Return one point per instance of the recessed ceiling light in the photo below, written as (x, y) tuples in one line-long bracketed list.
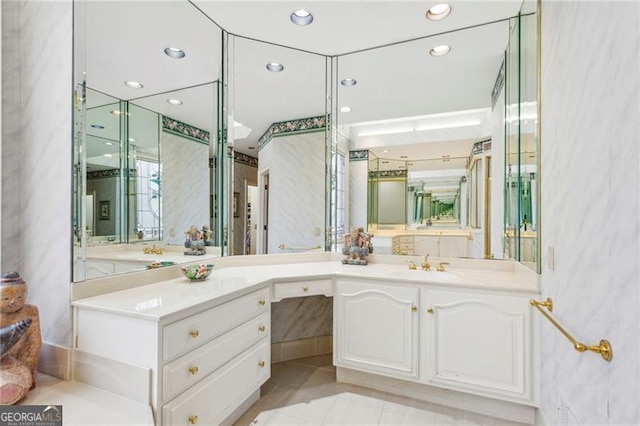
[(438, 12), (345, 109), (385, 151), (132, 139), (134, 84), (174, 52), (115, 112), (108, 143), (97, 126), (107, 155), (301, 17), (348, 82), (174, 101), (441, 50), (275, 67)]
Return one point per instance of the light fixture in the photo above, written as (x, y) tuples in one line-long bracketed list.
[(275, 67), (132, 139), (174, 52), (345, 109), (108, 143), (133, 84), (384, 151), (441, 50), (174, 101), (107, 155), (348, 82), (438, 12), (301, 17), (115, 112), (97, 126)]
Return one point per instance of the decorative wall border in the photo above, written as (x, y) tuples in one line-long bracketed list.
[(179, 128), (497, 86), (388, 174), (245, 159), (301, 125), (360, 155)]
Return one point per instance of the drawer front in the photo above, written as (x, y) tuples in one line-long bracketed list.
[(405, 240), (189, 333), (302, 288), (191, 368), (212, 400)]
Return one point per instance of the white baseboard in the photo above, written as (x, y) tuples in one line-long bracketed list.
[(129, 381), (55, 361), (478, 404)]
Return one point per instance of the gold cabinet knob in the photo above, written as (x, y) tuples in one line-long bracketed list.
[(261, 364), (262, 302), (430, 310), (262, 328), (194, 333), (305, 288), (193, 419), (193, 370), (414, 309)]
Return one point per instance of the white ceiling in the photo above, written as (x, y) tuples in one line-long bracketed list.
[(383, 45)]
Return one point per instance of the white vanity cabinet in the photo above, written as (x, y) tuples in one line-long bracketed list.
[(478, 342), (376, 328), (204, 363)]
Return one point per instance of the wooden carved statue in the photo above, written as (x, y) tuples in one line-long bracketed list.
[(20, 340)]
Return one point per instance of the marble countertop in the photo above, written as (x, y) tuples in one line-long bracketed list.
[(164, 299), (135, 253)]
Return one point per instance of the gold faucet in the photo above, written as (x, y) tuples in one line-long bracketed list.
[(426, 266), (412, 265), (440, 266), (152, 250)]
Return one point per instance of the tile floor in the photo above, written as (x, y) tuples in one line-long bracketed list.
[(305, 392)]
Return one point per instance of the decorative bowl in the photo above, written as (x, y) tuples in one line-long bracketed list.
[(155, 265), (197, 272)]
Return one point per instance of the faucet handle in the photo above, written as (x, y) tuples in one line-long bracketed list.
[(412, 264), (441, 265)]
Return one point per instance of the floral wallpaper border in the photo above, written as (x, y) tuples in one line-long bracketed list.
[(360, 155), (388, 173), (100, 174), (248, 160), (301, 125), (186, 130)]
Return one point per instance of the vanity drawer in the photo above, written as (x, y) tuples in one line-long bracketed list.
[(189, 333), (192, 367), (212, 400), (403, 240), (302, 288)]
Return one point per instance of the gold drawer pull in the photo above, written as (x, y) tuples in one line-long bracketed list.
[(414, 309), (193, 370), (430, 310), (305, 288), (194, 333), (193, 419), (262, 302), (261, 364), (262, 328)]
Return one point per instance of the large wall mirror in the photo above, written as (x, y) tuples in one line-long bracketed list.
[(358, 128)]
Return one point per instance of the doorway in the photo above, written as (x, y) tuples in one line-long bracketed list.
[(251, 225)]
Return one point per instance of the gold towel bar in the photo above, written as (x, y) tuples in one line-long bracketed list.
[(604, 348)]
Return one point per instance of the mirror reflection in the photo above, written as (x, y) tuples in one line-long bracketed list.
[(308, 156)]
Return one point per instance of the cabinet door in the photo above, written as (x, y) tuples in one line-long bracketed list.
[(376, 328), (427, 245), (478, 342)]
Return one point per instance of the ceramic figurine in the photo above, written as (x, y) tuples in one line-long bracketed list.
[(357, 245), (206, 235), (20, 340), (194, 241)]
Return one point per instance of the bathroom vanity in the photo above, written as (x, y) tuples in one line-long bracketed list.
[(464, 333)]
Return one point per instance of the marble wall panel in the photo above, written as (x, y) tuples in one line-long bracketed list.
[(36, 155), (358, 193), (185, 186), (301, 318), (590, 209)]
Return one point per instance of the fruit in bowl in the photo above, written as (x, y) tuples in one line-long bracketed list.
[(197, 272)]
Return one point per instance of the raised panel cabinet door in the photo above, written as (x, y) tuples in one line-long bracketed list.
[(376, 328), (427, 245), (479, 343)]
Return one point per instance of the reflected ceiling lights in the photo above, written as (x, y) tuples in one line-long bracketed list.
[(174, 52), (345, 109), (133, 84), (441, 50), (97, 126), (301, 17), (275, 67), (438, 12), (348, 82), (174, 101)]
